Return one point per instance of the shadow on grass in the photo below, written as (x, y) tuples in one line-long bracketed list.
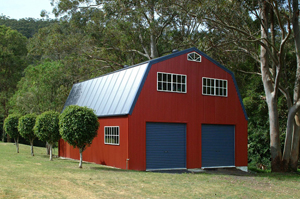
[(223, 171), (175, 171), (230, 172), (54, 157), (277, 175), (253, 172), (104, 168), (93, 166)]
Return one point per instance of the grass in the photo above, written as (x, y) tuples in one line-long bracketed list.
[(24, 176)]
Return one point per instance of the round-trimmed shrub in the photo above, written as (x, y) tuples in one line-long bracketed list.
[(78, 126), (11, 128), (47, 129), (25, 127)]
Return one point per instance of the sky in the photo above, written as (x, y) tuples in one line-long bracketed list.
[(18, 9)]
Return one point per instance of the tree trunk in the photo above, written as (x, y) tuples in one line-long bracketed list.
[(291, 133), (8, 138), (293, 163), (17, 143), (50, 150), (3, 134), (153, 46), (80, 162), (275, 148), (296, 136), (270, 93), (31, 147), (47, 148)]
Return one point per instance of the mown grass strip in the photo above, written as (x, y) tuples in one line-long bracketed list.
[(24, 176)]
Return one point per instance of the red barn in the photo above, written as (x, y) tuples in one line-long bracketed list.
[(182, 110)]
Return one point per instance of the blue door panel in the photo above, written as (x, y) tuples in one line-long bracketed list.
[(218, 145), (165, 145)]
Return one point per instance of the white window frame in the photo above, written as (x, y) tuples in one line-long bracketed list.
[(173, 85), (111, 135), (215, 89), (193, 56)]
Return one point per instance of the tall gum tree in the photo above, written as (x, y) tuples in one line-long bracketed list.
[(136, 28), (277, 21), (271, 90), (294, 154)]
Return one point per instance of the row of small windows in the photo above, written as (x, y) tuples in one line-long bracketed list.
[(210, 86), (169, 82), (216, 87)]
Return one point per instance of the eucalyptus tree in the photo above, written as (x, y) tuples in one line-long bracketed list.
[(293, 134), (127, 32), (266, 25), (71, 46)]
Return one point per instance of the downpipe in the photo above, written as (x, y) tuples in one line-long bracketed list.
[(127, 161)]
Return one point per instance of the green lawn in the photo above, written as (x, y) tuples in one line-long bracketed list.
[(23, 176)]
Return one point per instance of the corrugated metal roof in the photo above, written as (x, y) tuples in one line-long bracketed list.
[(116, 93), (111, 94)]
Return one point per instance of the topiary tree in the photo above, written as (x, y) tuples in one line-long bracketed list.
[(11, 128), (78, 126), (47, 129), (25, 127)]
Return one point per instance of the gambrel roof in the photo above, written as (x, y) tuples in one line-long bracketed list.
[(116, 93)]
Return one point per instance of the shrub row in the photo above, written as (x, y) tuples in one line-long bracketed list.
[(76, 125)]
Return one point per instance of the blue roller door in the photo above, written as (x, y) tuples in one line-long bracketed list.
[(218, 145), (165, 146)]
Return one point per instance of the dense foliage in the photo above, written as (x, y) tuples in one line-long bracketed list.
[(11, 125), (12, 63), (72, 47), (78, 126), (95, 37), (44, 87), (28, 26), (11, 128), (25, 127), (47, 129)]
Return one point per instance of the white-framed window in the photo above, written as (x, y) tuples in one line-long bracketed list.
[(194, 57), (170, 82), (215, 87), (112, 135)]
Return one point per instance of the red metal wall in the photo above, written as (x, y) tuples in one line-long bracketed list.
[(191, 108), (100, 153)]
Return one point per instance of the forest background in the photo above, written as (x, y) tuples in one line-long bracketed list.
[(41, 59)]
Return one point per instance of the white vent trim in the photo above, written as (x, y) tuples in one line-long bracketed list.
[(193, 56)]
